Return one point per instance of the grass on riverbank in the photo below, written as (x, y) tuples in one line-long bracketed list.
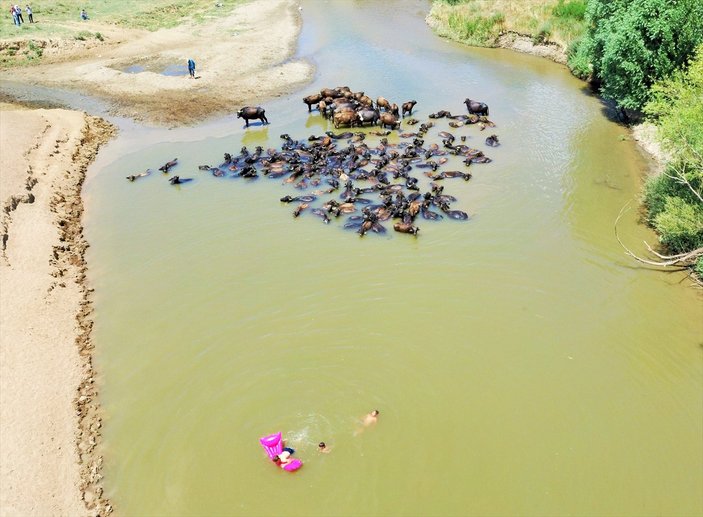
[(60, 20), (480, 22)]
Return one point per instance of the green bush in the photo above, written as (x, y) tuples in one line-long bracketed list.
[(633, 43), (83, 35), (99, 36), (677, 105), (476, 30), (664, 186), (574, 9), (578, 60), (680, 225)]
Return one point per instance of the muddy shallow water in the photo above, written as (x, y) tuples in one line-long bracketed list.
[(521, 363)]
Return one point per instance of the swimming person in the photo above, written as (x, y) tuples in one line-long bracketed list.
[(371, 418), (322, 447), (368, 420)]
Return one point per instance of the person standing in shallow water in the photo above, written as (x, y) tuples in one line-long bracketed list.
[(191, 68)]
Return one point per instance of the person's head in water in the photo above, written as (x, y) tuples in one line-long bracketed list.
[(276, 459), (321, 445), (374, 412)]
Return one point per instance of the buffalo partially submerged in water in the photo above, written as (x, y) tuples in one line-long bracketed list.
[(252, 113)]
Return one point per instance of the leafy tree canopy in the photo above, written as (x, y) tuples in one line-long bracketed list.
[(633, 43)]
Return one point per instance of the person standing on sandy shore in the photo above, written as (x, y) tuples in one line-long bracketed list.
[(29, 14), (15, 19), (191, 68), (18, 10)]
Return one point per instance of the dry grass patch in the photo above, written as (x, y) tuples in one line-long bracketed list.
[(480, 22)]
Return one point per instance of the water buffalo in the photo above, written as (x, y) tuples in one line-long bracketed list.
[(492, 141), (387, 119), (479, 108), (365, 100), (368, 115), (394, 110), (346, 118), (248, 113), (408, 107), (383, 103), (312, 99), (406, 228), (329, 92), (168, 165)]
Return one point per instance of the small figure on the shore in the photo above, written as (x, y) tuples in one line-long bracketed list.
[(18, 10), (84, 15), (191, 68), (371, 418), (323, 448), (15, 20), (29, 14)]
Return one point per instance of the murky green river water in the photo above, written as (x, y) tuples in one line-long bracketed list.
[(521, 363)]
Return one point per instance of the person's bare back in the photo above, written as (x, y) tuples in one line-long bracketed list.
[(371, 418)]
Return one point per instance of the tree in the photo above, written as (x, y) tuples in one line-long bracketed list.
[(633, 43)]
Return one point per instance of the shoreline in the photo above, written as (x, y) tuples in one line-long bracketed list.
[(643, 133), (50, 459), (254, 62)]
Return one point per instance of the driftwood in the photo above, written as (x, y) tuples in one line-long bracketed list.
[(679, 261)]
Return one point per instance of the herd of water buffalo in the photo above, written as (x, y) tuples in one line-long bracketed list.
[(371, 184)]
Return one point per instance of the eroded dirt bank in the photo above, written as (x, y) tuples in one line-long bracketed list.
[(50, 420)]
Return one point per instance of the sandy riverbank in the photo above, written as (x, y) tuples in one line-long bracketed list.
[(49, 415), (242, 58), (47, 408)]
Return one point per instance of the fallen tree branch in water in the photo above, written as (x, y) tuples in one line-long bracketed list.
[(682, 260)]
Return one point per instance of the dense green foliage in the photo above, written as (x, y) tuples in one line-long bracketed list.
[(633, 43), (673, 199), (573, 9)]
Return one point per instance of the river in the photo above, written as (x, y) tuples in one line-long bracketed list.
[(521, 363)]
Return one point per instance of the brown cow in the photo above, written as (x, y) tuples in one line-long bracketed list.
[(347, 118), (383, 103), (387, 119), (408, 107), (312, 99), (366, 101), (394, 110)]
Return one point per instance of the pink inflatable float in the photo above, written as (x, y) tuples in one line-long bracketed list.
[(273, 445)]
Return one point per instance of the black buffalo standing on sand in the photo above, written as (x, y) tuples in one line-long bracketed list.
[(248, 113), (478, 108)]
